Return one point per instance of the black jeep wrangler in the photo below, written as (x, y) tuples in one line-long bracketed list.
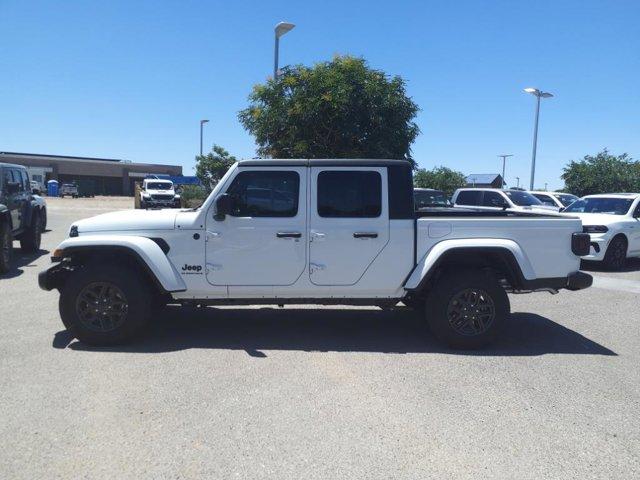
[(20, 214)]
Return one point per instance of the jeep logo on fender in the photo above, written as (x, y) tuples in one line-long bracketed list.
[(191, 269)]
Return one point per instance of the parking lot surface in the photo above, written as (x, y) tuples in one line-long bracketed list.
[(319, 392)]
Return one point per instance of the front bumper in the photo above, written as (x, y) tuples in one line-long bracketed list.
[(599, 243), (52, 277)]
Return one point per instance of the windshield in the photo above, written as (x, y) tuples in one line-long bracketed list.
[(434, 198), (159, 186), (608, 205), (566, 199), (522, 199)]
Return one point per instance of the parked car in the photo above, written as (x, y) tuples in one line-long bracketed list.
[(498, 199), (428, 197), (335, 232), (555, 199), (20, 214), (158, 193), (613, 222), (68, 189), (35, 187)]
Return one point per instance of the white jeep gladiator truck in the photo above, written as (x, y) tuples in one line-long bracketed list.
[(158, 193), (312, 232)]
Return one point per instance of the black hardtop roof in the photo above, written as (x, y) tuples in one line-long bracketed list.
[(322, 162), (12, 165)]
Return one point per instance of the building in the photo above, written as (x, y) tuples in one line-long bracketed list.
[(484, 180), (102, 176)]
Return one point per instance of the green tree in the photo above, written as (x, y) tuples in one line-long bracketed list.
[(439, 178), (210, 168), (602, 173), (337, 109)]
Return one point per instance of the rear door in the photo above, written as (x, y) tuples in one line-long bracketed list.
[(348, 222)]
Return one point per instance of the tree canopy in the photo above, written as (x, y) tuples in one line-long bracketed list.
[(210, 168), (336, 109), (602, 173), (439, 178)]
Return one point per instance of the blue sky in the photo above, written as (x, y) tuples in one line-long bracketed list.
[(132, 79)]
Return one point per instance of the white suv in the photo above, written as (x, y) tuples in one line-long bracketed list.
[(555, 199), (497, 199), (613, 222), (158, 193)]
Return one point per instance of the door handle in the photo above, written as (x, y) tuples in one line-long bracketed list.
[(288, 234), (365, 235)]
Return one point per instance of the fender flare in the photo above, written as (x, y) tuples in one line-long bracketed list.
[(509, 250), (148, 252)]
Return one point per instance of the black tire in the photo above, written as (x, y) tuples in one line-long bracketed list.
[(616, 255), (467, 309), (30, 240), (43, 220), (6, 247), (143, 205), (124, 314)]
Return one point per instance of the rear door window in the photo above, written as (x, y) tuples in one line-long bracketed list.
[(349, 194), (469, 197)]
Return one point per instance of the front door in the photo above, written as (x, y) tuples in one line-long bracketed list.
[(263, 241), (349, 222)]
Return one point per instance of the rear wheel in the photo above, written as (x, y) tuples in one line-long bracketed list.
[(31, 238), (616, 255), (6, 247), (467, 308), (105, 305)]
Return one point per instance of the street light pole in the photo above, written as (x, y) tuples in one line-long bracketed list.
[(202, 122), (280, 30), (518, 180), (504, 161), (538, 94)]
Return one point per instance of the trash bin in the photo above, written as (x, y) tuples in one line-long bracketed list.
[(52, 188)]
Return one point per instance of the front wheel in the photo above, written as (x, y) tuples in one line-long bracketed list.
[(616, 255), (105, 304), (467, 308)]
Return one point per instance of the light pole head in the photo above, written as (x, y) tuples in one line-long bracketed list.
[(202, 122), (282, 28), (538, 93)]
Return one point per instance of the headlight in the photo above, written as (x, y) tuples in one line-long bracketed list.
[(176, 196), (145, 195), (595, 229), (73, 231)]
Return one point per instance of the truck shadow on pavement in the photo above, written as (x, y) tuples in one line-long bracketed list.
[(334, 330), (21, 261), (632, 265)]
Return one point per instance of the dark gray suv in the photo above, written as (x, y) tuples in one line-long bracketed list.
[(20, 215)]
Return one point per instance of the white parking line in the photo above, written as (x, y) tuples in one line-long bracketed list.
[(618, 284)]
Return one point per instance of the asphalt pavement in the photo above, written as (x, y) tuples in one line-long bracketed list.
[(319, 392)]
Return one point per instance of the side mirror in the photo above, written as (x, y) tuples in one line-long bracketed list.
[(224, 206)]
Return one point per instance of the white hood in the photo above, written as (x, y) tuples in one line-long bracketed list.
[(129, 220), (596, 218)]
